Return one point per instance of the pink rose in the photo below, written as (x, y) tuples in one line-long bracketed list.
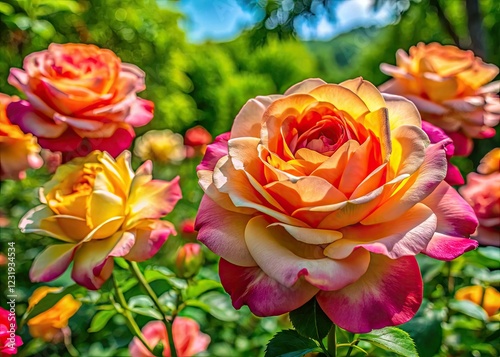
[(9, 341), (188, 338), (80, 98), (482, 192)]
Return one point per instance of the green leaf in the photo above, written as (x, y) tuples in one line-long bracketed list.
[(201, 287), (310, 320), (147, 311), (289, 343), (121, 262), (6, 9), (220, 306), (469, 308), (392, 339), (51, 299), (425, 329), (100, 320), (157, 273)]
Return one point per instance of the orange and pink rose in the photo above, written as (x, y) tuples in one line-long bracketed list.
[(80, 98), (450, 88), (328, 192)]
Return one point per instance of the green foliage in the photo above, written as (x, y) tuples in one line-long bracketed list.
[(392, 339), (310, 321), (289, 343)]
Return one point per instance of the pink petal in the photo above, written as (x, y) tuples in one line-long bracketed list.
[(406, 236), (214, 152), (52, 262), (445, 247), (23, 114), (114, 145), (141, 112), (92, 266), (148, 242), (389, 294), (223, 232), (263, 295)]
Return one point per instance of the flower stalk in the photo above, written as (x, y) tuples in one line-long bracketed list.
[(168, 324), (125, 311), (332, 341)]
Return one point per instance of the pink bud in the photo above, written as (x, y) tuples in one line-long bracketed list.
[(189, 260)]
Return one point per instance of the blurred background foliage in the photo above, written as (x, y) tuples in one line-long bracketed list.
[(207, 83)]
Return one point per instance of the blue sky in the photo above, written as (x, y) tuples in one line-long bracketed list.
[(224, 20)]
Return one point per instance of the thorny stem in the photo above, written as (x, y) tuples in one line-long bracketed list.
[(168, 324), (125, 311)]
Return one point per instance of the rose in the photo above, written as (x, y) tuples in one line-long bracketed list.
[(161, 146), (482, 192), (19, 151), (187, 338), (447, 86), (196, 140), (329, 192), (100, 209), (79, 98), (488, 298), (52, 324), (9, 341), (189, 260)]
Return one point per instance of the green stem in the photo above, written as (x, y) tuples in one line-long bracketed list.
[(125, 311), (332, 341), (349, 351), (142, 281), (451, 280)]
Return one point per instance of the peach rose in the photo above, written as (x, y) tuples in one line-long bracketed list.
[(18, 151), (328, 192), (80, 98), (9, 341), (161, 146), (100, 209), (490, 163), (482, 192), (490, 302), (188, 338), (448, 87), (52, 324)]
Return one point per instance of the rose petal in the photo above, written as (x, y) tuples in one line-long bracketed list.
[(91, 264), (52, 262), (35, 221), (286, 260), (223, 232), (263, 295), (214, 152), (149, 239), (389, 294)]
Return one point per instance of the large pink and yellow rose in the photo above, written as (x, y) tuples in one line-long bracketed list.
[(188, 339), (18, 151), (100, 209), (328, 192), (448, 86), (79, 98)]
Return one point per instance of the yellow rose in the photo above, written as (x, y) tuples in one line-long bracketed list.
[(51, 324), (447, 85), (488, 299), (160, 146), (100, 209)]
